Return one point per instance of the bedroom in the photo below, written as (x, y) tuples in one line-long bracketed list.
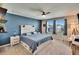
[(37, 28)]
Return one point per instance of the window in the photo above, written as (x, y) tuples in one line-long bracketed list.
[(50, 26), (57, 26), (60, 27)]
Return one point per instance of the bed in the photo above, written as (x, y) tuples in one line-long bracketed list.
[(31, 38)]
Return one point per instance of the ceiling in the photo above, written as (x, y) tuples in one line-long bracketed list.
[(32, 10)]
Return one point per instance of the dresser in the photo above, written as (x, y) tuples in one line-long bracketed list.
[(14, 40)]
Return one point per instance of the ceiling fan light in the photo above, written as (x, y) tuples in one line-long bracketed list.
[(43, 15)]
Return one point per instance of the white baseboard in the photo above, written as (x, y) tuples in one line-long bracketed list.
[(5, 45)]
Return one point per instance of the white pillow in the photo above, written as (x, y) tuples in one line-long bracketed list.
[(29, 33), (34, 32)]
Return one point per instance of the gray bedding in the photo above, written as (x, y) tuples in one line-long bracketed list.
[(33, 41)]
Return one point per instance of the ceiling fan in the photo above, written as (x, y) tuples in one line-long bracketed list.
[(43, 12)]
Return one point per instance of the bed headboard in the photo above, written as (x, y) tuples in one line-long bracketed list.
[(27, 28)]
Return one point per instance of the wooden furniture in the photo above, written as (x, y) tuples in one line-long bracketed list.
[(68, 40), (14, 40), (75, 47), (3, 10), (26, 46)]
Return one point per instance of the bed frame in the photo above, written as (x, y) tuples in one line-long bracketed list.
[(26, 46), (26, 29)]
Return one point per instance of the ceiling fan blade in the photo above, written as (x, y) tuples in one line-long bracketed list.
[(39, 10), (48, 12)]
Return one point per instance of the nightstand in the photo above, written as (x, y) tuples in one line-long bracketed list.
[(14, 40)]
